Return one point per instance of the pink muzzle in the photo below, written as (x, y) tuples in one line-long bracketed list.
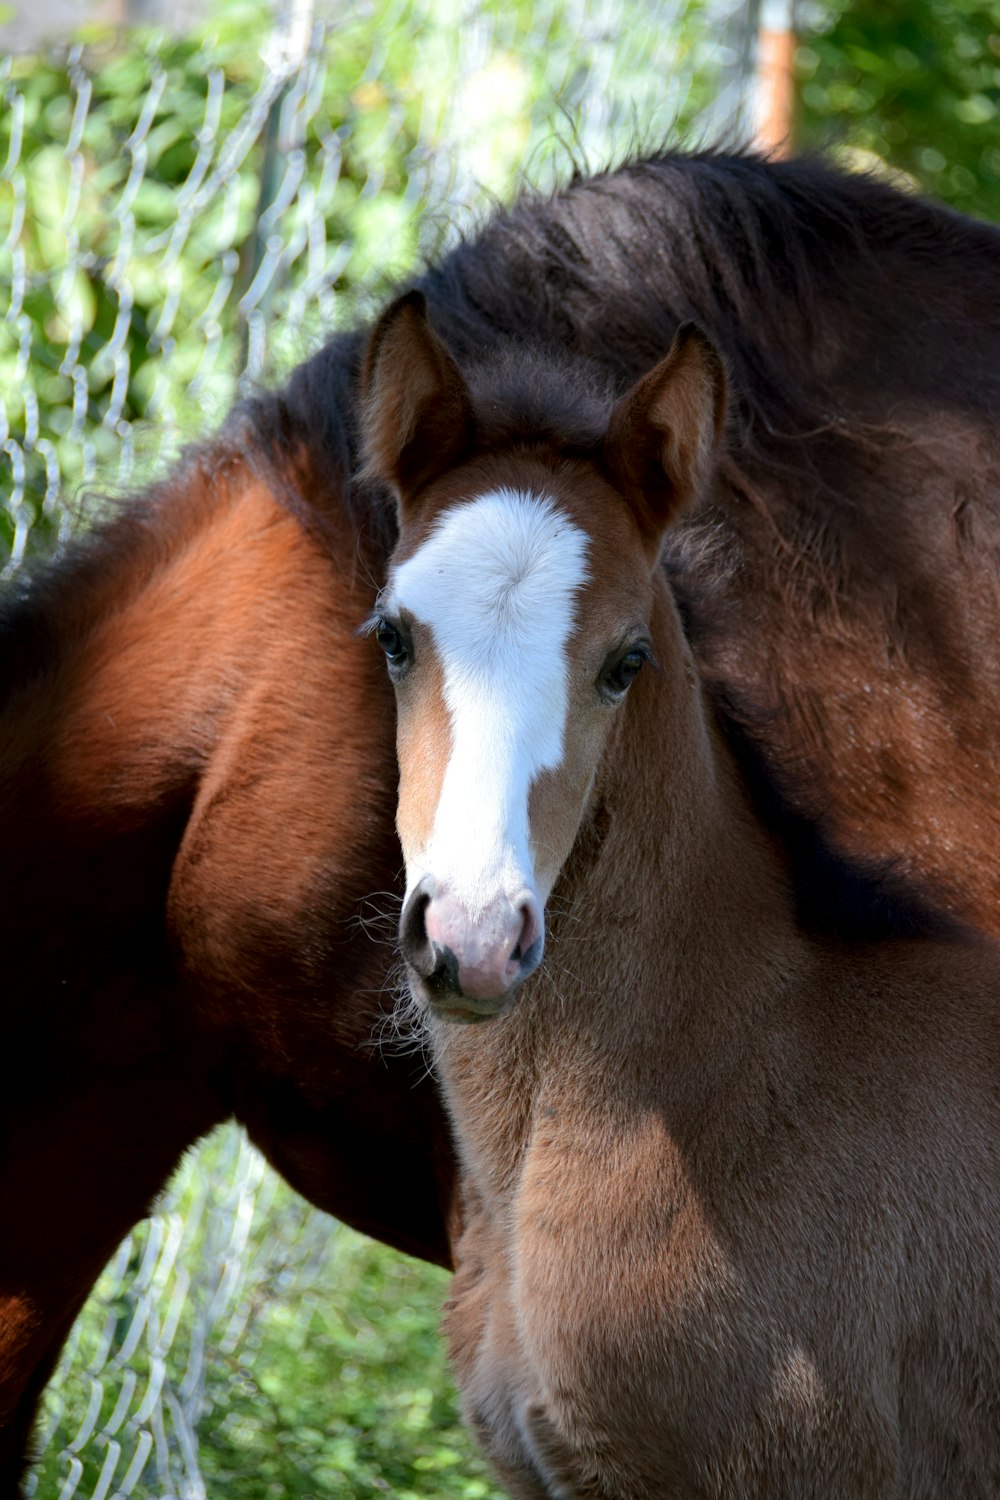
[(468, 966)]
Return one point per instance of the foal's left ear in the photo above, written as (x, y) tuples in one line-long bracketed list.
[(417, 415), (664, 434)]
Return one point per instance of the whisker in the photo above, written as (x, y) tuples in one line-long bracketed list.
[(401, 1031), (563, 969), (374, 919), (561, 998), (565, 914)]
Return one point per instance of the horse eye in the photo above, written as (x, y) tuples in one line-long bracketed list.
[(392, 643), (618, 677)]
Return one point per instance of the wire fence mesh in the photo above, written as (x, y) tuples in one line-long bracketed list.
[(175, 1306), (182, 216)]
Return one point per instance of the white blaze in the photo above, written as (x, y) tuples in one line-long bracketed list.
[(495, 582)]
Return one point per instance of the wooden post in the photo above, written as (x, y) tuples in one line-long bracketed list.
[(774, 103)]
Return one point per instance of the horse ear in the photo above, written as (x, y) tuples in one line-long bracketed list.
[(663, 435), (417, 413)]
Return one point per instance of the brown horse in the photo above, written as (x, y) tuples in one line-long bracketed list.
[(733, 1189), (192, 814), (196, 762)]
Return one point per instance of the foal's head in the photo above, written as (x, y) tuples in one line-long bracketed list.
[(515, 618)]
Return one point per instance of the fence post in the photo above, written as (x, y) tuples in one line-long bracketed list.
[(774, 102), (284, 55)]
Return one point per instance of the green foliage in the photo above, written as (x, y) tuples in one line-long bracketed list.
[(917, 83), (349, 1397), (127, 236)]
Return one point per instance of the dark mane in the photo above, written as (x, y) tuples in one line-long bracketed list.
[(847, 311), (532, 393), (764, 255)]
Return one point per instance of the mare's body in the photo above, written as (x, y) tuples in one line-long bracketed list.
[(731, 1180), (181, 861), (192, 816)]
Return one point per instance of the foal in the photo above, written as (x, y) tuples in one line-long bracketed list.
[(732, 1192)]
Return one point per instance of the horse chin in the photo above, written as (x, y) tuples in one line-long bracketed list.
[(440, 997), (459, 1014), (456, 1008)]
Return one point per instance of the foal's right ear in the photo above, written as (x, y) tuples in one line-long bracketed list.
[(417, 413)]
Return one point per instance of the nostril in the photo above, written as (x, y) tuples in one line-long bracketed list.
[(530, 930), (442, 978), (414, 919), (413, 928)]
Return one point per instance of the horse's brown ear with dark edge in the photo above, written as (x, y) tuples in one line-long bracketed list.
[(663, 435), (416, 411)]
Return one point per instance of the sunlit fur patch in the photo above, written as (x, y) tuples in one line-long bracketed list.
[(495, 582), (423, 744)]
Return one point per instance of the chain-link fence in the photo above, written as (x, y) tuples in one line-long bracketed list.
[(170, 1326), (183, 215)]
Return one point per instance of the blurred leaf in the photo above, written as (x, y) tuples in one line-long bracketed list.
[(915, 83)]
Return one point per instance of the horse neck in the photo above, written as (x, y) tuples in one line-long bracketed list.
[(104, 742), (671, 935)]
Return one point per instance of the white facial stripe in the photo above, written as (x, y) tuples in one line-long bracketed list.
[(496, 583)]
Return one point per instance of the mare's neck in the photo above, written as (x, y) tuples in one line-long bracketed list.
[(116, 673), (111, 685), (195, 651), (672, 936)]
